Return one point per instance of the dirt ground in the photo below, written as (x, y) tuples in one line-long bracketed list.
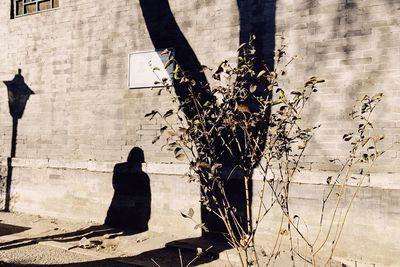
[(27, 240)]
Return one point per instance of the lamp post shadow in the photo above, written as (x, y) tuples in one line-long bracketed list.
[(18, 96)]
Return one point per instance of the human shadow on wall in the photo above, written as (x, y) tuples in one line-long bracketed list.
[(18, 96), (256, 17), (128, 214), (130, 207)]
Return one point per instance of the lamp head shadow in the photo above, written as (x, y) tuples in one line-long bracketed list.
[(18, 95)]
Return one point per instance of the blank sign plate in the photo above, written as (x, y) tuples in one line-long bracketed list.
[(147, 68)]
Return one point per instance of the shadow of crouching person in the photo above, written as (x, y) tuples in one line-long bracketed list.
[(131, 204)]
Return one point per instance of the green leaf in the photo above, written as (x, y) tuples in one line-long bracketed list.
[(261, 73), (165, 51), (168, 63), (273, 75), (253, 88), (284, 232), (202, 226), (216, 167), (177, 72), (199, 252), (241, 46)]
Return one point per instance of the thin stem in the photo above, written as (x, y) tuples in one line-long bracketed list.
[(248, 207), (180, 257), (155, 262)]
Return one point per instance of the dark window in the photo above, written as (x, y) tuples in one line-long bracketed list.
[(24, 7)]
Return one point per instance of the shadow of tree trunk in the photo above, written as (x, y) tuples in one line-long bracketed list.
[(165, 33), (256, 18)]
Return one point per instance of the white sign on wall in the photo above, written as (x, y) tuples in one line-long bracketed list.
[(145, 68)]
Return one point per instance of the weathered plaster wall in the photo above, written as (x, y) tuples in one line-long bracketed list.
[(83, 119)]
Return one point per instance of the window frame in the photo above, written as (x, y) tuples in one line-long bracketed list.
[(36, 3)]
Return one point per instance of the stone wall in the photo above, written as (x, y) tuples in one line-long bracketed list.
[(83, 119)]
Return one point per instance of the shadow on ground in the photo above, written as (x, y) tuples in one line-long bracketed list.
[(9, 229), (184, 252), (90, 232)]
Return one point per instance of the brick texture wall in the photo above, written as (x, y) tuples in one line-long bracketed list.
[(354, 46), (75, 60), (83, 119)]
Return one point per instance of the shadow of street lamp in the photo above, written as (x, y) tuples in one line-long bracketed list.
[(18, 95)]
